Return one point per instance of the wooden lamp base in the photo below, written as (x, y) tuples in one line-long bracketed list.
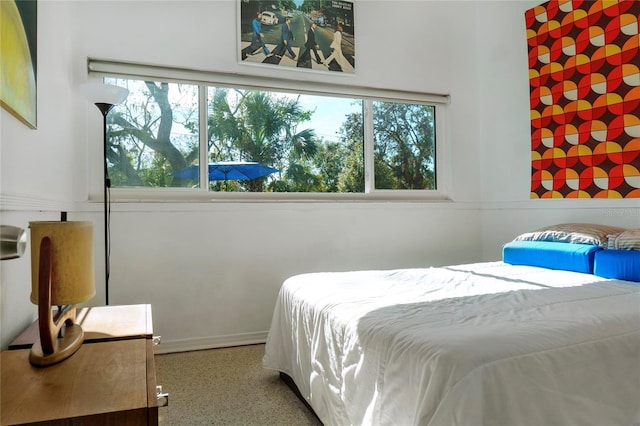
[(66, 340)]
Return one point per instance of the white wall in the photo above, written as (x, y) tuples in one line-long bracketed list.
[(218, 267), (37, 177), (504, 133), (212, 271)]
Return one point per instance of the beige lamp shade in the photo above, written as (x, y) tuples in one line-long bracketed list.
[(72, 277)]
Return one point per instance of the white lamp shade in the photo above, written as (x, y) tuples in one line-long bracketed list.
[(105, 93), (72, 277)]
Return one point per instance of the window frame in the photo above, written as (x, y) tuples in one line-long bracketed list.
[(99, 69)]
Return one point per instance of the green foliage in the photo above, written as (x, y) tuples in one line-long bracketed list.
[(352, 177), (330, 163), (259, 126), (142, 140), (404, 145)]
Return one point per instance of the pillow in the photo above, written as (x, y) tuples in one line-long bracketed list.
[(619, 264), (575, 233), (626, 240), (551, 254)]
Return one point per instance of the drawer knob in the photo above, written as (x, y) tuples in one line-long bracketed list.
[(162, 397)]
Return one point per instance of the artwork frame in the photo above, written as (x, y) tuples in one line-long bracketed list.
[(286, 36), (18, 90)]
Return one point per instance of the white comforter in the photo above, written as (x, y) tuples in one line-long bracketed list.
[(480, 344)]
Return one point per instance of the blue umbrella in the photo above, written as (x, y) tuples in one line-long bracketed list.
[(228, 170)]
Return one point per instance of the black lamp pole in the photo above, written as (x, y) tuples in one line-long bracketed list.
[(104, 109)]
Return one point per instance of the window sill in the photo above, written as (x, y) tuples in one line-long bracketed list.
[(178, 195)]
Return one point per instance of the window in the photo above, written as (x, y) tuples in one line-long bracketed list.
[(270, 140), (404, 145)]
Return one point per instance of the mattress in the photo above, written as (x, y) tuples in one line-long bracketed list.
[(487, 343)]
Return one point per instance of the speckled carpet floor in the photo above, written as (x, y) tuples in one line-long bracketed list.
[(226, 386)]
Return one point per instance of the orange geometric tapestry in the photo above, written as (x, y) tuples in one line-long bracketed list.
[(584, 76)]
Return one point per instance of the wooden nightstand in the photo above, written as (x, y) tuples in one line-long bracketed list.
[(109, 380), (101, 323)]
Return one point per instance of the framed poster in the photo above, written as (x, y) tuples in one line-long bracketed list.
[(316, 35), (18, 55)]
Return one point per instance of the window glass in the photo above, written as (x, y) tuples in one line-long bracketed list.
[(281, 142), (405, 141), (153, 134)]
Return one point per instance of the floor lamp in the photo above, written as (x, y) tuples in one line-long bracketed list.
[(105, 97)]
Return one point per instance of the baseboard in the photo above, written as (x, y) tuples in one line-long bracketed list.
[(185, 345)]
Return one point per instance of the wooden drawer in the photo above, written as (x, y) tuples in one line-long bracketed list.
[(105, 383)]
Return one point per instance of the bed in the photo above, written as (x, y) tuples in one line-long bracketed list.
[(492, 343)]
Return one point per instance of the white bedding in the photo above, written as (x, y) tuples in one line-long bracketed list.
[(479, 344)]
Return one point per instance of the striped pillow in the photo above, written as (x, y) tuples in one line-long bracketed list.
[(576, 233), (627, 240)]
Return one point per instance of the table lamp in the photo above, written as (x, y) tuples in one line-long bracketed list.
[(62, 274)]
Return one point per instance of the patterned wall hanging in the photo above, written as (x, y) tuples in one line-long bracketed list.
[(585, 98)]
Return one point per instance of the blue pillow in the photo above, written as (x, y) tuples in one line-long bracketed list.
[(551, 254), (619, 264)]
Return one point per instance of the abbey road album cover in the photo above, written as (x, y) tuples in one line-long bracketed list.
[(316, 35)]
